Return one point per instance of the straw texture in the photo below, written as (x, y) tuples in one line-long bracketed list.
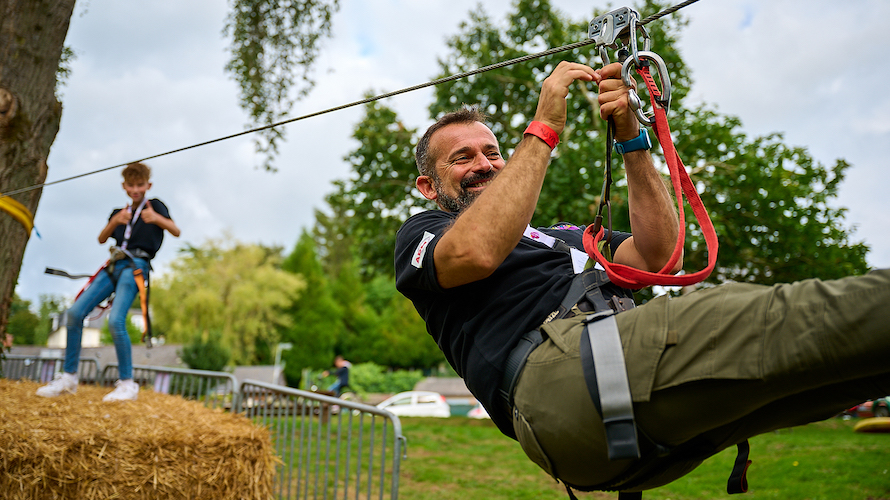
[(159, 446)]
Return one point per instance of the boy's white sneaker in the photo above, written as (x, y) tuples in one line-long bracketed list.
[(124, 390), (64, 383)]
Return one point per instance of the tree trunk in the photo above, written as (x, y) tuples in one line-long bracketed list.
[(32, 35)]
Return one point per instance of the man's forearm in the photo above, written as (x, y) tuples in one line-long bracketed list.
[(489, 229), (653, 217)]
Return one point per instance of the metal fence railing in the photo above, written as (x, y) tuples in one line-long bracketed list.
[(329, 448), (44, 369), (214, 389)]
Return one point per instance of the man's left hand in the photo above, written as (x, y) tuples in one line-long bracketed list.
[(613, 101)]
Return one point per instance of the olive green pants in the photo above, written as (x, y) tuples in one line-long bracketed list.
[(723, 364)]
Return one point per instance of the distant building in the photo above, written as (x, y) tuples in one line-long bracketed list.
[(450, 387), (266, 373), (92, 328)]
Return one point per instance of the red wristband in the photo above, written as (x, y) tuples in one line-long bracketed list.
[(543, 132)]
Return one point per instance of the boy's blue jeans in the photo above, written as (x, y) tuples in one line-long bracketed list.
[(99, 290)]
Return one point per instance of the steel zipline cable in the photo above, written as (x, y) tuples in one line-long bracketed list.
[(458, 76)]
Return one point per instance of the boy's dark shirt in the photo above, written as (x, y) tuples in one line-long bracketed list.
[(145, 237)]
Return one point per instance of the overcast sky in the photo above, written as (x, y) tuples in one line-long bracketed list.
[(148, 78)]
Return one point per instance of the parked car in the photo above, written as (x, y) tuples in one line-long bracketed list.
[(478, 411), (417, 404), (876, 408)]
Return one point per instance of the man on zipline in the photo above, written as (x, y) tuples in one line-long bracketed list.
[(501, 301)]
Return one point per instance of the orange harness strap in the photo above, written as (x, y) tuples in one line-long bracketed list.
[(142, 284)]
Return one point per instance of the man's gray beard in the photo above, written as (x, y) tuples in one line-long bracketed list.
[(466, 197), (458, 204)]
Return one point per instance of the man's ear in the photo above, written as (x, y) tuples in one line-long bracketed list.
[(426, 187)]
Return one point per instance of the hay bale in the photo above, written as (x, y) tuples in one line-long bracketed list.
[(159, 446)]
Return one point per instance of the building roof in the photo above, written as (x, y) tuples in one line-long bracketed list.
[(267, 373), (450, 387)]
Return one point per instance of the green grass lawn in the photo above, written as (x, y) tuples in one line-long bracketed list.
[(464, 459)]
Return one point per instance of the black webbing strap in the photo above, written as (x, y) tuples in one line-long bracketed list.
[(602, 360), (515, 361), (738, 479)]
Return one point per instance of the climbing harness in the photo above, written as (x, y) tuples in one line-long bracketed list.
[(618, 29), (119, 253), (602, 356), (142, 284)]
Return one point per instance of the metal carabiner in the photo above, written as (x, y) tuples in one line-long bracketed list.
[(647, 42), (634, 100)]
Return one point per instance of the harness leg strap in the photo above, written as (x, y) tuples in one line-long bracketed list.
[(602, 359), (142, 285)]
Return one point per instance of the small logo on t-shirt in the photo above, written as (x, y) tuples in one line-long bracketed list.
[(417, 258)]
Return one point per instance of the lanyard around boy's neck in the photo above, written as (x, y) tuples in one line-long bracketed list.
[(129, 230)]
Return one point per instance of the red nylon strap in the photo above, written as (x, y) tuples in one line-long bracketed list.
[(91, 280), (629, 277), (93, 277)]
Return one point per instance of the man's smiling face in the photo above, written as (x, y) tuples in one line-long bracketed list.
[(467, 160)]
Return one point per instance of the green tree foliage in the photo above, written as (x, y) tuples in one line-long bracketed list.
[(206, 352), (235, 288), (367, 378), (402, 341), (274, 46), (50, 306), (770, 202), (29, 328), (133, 331), (361, 323), (379, 195), (316, 316), (23, 323)]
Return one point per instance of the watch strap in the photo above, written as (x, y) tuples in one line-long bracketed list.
[(637, 143)]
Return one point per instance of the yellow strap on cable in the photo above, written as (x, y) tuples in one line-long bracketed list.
[(18, 212)]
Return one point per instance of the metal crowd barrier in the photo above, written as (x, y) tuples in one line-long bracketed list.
[(214, 389), (329, 447), (43, 370)]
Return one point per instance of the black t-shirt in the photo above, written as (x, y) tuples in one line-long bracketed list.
[(477, 325), (146, 237)]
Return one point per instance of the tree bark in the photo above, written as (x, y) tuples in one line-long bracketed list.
[(32, 35)]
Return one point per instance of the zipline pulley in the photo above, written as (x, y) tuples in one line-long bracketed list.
[(619, 29)]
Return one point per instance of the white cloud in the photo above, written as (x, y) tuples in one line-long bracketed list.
[(149, 78)]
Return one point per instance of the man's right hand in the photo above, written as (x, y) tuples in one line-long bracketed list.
[(614, 102), (552, 102)]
